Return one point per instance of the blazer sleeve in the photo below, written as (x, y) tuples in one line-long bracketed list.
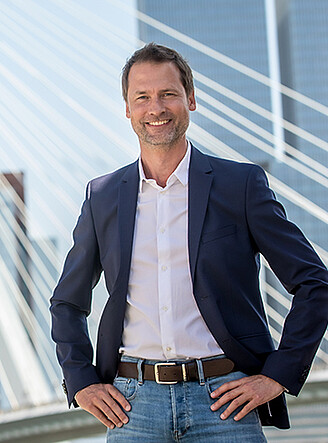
[(301, 272), (71, 304)]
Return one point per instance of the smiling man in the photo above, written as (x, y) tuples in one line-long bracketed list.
[(184, 351)]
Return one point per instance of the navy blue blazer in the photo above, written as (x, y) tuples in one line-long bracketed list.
[(233, 217)]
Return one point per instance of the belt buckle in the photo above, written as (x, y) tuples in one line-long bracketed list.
[(156, 369)]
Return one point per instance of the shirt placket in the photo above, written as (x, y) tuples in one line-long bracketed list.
[(164, 274)]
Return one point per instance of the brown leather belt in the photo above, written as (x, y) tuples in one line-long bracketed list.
[(174, 372)]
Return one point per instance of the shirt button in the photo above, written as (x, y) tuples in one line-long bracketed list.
[(164, 268), (168, 349), (165, 308), (162, 230)]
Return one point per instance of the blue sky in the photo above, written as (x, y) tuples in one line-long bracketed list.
[(61, 106)]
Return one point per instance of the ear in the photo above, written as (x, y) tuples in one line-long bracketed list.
[(192, 101), (127, 110)]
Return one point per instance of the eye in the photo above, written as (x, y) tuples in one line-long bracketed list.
[(168, 94), (142, 97)]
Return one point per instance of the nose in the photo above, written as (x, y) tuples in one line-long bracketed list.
[(156, 106)]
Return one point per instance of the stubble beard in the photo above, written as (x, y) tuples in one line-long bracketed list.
[(162, 141)]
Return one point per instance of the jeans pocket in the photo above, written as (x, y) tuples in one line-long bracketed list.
[(214, 383), (127, 386)]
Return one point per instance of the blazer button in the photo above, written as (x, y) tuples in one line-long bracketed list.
[(304, 374), (64, 387)]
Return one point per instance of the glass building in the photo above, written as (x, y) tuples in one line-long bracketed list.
[(240, 31)]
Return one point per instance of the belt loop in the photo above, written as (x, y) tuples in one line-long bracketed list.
[(200, 372), (140, 372)]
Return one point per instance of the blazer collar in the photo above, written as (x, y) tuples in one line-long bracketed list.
[(127, 204), (200, 181)]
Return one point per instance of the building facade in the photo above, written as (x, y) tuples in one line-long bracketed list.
[(239, 30)]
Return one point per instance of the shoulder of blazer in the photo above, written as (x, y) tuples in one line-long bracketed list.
[(221, 165), (111, 181)]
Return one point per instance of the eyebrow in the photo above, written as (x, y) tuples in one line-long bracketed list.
[(161, 91), (139, 92)]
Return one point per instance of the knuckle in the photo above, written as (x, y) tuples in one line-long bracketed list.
[(228, 396), (256, 399)]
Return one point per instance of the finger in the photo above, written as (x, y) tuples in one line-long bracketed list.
[(228, 387), (113, 415), (235, 404), (227, 397), (98, 400), (119, 397), (246, 410), (101, 417), (113, 411)]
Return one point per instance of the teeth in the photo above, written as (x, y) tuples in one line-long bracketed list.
[(163, 122)]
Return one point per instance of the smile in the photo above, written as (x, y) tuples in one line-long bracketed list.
[(163, 122)]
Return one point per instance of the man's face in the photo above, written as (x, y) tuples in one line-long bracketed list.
[(157, 104)]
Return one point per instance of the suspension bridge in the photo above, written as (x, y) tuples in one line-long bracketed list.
[(62, 123)]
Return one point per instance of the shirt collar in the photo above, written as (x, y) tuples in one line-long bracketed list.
[(181, 172)]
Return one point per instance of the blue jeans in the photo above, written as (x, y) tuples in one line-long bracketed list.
[(180, 413)]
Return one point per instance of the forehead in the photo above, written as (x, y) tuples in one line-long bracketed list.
[(147, 75)]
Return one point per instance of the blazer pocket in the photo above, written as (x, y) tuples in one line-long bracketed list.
[(218, 233), (259, 343)]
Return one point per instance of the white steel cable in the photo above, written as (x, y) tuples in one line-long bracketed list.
[(49, 138), (231, 127), (28, 245), (44, 207), (68, 35), (278, 318), (125, 143), (71, 133), (26, 277), (294, 152), (285, 193), (47, 156), (24, 211), (16, 28), (98, 24), (225, 91), (274, 293), (260, 144), (247, 135), (6, 385), (321, 252), (19, 357), (70, 102), (279, 297), (83, 14), (34, 290), (216, 55), (65, 199), (251, 106), (282, 300), (309, 161), (218, 147), (31, 324)]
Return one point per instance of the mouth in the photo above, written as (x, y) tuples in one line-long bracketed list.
[(158, 123)]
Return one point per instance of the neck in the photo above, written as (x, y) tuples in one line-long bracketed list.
[(159, 163)]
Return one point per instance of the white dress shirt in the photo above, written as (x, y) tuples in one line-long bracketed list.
[(162, 319)]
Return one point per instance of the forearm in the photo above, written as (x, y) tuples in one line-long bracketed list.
[(73, 347)]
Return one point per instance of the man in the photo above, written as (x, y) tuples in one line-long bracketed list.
[(184, 349)]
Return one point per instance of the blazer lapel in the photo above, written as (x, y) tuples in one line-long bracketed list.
[(127, 204), (200, 181)]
